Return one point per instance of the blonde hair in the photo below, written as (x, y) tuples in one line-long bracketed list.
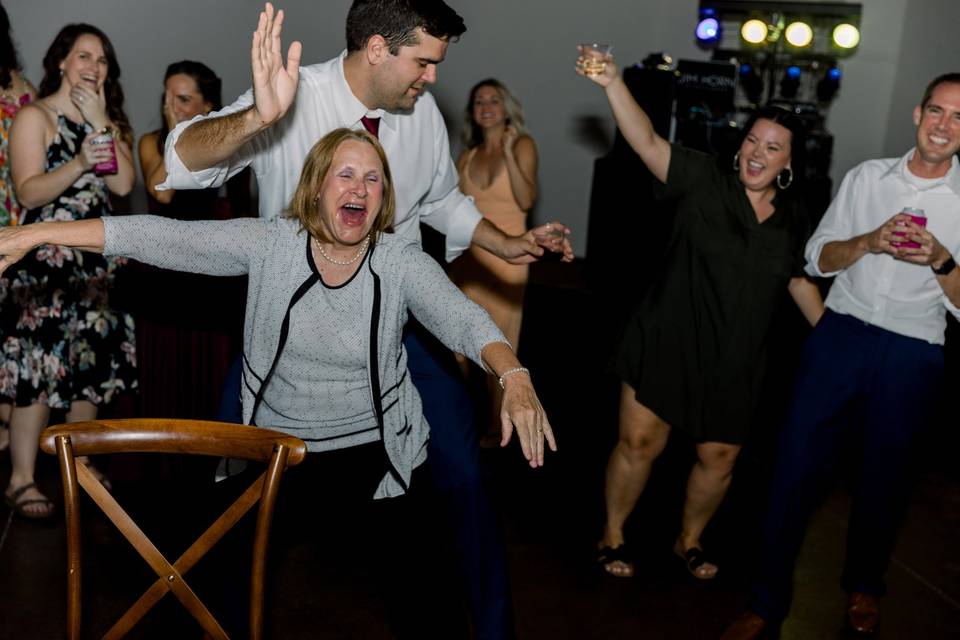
[(471, 133), (304, 206)]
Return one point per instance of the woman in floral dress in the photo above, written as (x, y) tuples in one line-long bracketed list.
[(68, 347), (15, 92)]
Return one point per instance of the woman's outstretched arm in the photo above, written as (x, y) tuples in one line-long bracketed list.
[(17, 241)]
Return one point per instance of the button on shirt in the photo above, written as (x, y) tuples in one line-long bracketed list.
[(416, 144), (892, 294)]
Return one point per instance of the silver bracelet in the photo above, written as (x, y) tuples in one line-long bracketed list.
[(509, 372)]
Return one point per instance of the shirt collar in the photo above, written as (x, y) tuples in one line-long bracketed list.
[(349, 106), (951, 179)]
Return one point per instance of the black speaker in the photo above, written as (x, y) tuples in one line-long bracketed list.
[(625, 221)]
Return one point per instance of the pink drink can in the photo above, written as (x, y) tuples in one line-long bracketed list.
[(918, 217), (108, 167)]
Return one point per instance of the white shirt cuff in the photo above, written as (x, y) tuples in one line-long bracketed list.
[(460, 227)]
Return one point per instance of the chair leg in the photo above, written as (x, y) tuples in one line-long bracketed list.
[(71, 507)]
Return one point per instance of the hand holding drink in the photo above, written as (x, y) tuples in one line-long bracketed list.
[(916, 216), (595, 62), (595, 58), (552, 236), (107, 166)]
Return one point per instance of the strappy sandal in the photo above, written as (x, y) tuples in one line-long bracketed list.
[(607, 556), (19, 506), (694, 558)]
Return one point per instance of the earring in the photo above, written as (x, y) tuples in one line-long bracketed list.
[(780, 184), (736, 161)]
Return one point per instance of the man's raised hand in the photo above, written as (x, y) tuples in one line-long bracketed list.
[(274, 87)]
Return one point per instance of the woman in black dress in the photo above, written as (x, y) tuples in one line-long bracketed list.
[(68, 347), (692, 356)]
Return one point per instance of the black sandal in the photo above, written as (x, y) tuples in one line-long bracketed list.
[(19, 506), (694, 558), (606, 556)]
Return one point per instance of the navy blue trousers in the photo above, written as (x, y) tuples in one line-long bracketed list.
[(857, 384), (453, 457)]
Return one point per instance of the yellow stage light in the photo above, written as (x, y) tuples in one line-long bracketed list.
[(754, 31), (846, 36), (799, 34)]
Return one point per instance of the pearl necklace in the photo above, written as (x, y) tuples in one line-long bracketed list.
[(342, 263)]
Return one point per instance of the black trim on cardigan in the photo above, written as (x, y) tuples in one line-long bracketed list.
[(375, 371), (305, 286)]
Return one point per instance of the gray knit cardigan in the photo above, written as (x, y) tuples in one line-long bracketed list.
[(274, 254)]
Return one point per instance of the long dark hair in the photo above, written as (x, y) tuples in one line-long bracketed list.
[(8, 53), (52, 77), (208, 84), (798, 139)]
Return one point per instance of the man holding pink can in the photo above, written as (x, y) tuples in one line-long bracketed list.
[(873, 365)]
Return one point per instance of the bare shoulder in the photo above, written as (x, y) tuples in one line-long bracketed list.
[(462, 160), (35, 116), (148, 142), (526, 151), (526, 138)]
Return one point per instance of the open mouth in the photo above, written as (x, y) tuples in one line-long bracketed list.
[(90, 80), (754, 169), (353, 215), (938, 140)]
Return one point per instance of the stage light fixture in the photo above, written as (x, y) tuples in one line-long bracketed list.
[(829, 84), (708, 30), (799, 34), (846, 36), (754, 31), (790, 82)]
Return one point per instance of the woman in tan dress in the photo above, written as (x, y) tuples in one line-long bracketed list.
[(499, 169)]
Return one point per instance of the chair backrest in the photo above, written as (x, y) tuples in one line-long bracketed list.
[(198, 437)]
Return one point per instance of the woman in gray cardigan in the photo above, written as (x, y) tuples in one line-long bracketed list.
[(328, 295), (329, 292)]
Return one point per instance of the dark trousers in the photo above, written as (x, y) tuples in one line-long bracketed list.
[(454, 464), (453, 457), (329, 537), (861, 384)]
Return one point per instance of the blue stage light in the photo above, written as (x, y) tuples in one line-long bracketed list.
[(708, 30), (790, 82), (829, 84)]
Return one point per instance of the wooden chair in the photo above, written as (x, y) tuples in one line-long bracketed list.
[(169, 436)]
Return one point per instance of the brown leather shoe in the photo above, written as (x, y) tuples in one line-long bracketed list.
[(863, 613), (749, 626)]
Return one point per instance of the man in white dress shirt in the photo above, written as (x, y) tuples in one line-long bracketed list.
[(872, 368), (379, 82)]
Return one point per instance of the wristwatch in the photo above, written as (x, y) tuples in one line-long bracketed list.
[(945, 269)]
